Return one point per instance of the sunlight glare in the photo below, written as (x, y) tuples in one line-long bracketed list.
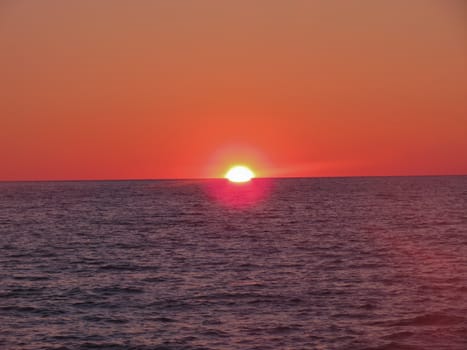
[(239, 174)]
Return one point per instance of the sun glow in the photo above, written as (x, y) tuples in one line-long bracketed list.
[(239, 173)]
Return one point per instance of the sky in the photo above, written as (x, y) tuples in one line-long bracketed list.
[(112, 89)]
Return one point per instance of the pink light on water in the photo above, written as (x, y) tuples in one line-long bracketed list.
[(241, 194)]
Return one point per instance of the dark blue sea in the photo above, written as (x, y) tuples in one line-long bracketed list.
[(336, 263)]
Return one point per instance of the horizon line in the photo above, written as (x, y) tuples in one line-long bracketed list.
[(222, 178)]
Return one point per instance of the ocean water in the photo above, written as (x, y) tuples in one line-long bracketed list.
[(343, 263)]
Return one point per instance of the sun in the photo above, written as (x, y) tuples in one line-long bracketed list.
[(239, 173)]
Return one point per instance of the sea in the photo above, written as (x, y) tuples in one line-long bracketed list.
[(304, 263)]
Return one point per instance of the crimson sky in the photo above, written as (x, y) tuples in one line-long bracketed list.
[(183, 88)]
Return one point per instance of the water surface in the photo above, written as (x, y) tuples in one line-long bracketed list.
[(350, 263)]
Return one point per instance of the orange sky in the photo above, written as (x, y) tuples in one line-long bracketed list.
[(183, 88)]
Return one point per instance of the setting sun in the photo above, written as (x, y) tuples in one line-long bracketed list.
[(239, 174)]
